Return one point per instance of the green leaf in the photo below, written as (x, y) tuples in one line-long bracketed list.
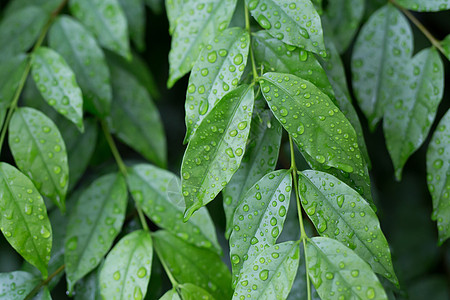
[(19, 30), (295, 23), (16, 285), (410, 114), (190, 291), (56, 83), (438, 170), (88, 287), (339, 212), (158, 193), (47, 5), (217, 71), (174, 8), (24, 221), (135, 119), (445, 43), (93, 225), (382, 49), (135, 14), (44, 294), (260, 158), (259, 218), (341, 21), (81, 52), (39, 151), (271, 274), (155, 5), (171, 294), (196, 25), (127, 268), (334, 268), (215, 151), (106, 20), (425, 5), (276, 56), (189, 264)]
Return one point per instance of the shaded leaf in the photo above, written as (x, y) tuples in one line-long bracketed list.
[(190, 291), (16, 285), (425, 5), (44, 294), (88, 287), (445, 43), (135, 14), (47, 6)]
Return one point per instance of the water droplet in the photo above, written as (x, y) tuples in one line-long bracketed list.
[(116, 275), (235, 259), (253, 4), (300, 129), (238, 151), (229, 152), (282, 211), (45, 233), (262, 20), (320, 159), (340, 200), (303, 55), (438, 163), (186, 175), (238, 59), (264, 274), (370, 293), (329, 276), (355, 273), (254, 240), (137, 293), (28, 209), (242, 125), (141, 272), (275, 232), (212, 57), (72, 243)]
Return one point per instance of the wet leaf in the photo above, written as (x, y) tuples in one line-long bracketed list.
[(189, 291), (334, 268), (82, 53), (260, 158), (339, 212), (271, 274), (106, 20), (258, 219), (127, 268), (46, 5), (194, 265), (24, 221), (135, 13), (412, 110), (88, 287), (174, 9), (170, 294), (44, 294), (215, 151), (16, 285), (158, 193), (93, 225), (216, 72), (196, 24), (57, 85), (425, 5), (438, 176), (39, 151)]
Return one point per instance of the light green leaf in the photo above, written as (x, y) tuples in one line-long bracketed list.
[(81, 52), (106, 20), (445, 43), (135, 119), (170, 295), (296, 23), (341, 21), (174, 8), (383, 47), (339, 212), (158, 193), (425, 5), (438, 169), (276, 56), (190, 264), (217, 71), (334, 268), (196, 25), (260, 158), (215, 151), (93, 225), (56, 83), (135, 13), (271, 274), (19, 30), (16, 285), (259, 218), (39, 151), (127, 268), (190, 291), (24, 221)]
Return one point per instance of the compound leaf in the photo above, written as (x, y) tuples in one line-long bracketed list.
[(16, 285), (425, 5)]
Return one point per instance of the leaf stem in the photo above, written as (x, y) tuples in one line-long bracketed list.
[(252, 57), (166, 268), (44, 282)]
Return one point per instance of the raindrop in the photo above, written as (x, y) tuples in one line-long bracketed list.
[(116, 275), (340, 200), (141, 272), (262, 20), (264, 274)]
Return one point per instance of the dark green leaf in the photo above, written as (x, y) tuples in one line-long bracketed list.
[(56, 83), (217, 71), (39, 151), (16, 285), (382, 49), (88, 287), (410, 114), (190, 291), (215, 151), (438, 169), (24, 220), (155, 5), (135, 13), (271, 274), (93, 225), (47, 5), (337, 272), (126, 271), (106, 20), (189, 264), (196, 24), (425, 5), (44, 294), (82, 53), (445, 43), (295, 23)]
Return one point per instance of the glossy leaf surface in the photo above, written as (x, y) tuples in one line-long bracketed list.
[(16, 285), (39, 151), (438, 176), (56, 82), (93, 225), (258, 219), (425, 5), (271, 274), (336, 271), (24, 221), (215, 152), (135, 13), (216, 72), (295, 23), (127, 268)]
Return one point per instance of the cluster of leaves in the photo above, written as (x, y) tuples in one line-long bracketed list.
[(249, 84)]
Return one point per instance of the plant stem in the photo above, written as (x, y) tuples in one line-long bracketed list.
[(166, 268), (44, 282), (247, 27)]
